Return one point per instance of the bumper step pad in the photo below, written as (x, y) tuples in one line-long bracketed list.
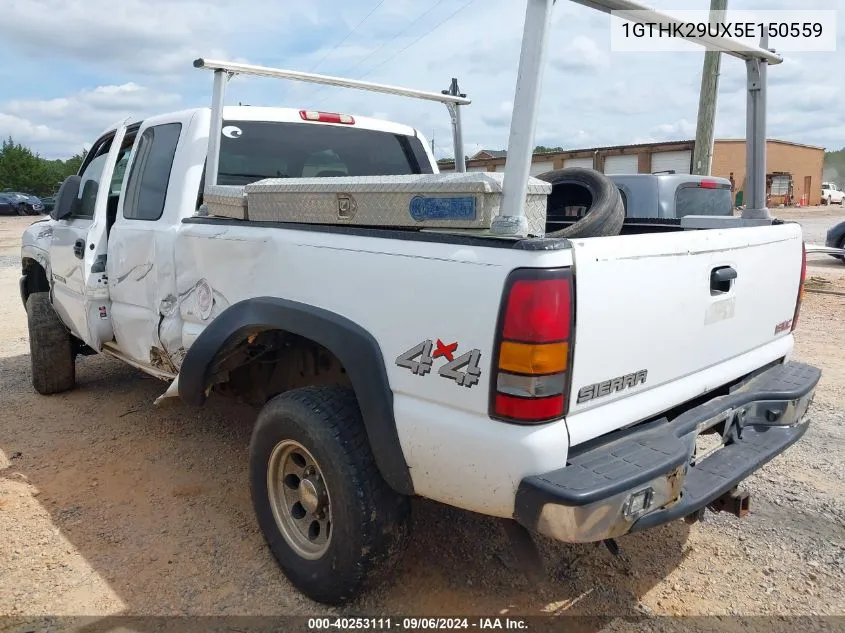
[(633, 457)]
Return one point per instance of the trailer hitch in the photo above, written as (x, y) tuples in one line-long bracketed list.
[(734, 501)]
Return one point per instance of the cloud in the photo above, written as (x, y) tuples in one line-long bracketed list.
[(580, 55), (54, 125), (24, 131), (99, 59), (500, 119)]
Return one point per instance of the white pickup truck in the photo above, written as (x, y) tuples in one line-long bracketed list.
[(329, 275), (831, 194)]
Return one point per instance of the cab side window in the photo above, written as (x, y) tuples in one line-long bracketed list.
[(149, 176), (90, 185)]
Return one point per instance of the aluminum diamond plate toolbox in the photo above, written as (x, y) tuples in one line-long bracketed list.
[(455, 200), (228, 201)]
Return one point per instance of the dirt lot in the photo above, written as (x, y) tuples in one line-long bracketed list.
[(109, 505)]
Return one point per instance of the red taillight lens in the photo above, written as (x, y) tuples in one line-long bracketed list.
[(708, 184), (533, 347), (326, 117), (800, 286), (537, 311)]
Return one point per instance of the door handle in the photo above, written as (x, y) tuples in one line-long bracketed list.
[(79, 248), (721, 278)]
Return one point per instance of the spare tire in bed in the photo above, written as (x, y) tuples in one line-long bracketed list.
[(583, 187)]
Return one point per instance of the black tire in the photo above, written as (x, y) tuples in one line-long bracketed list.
[(50, 347), (606, 212), (368, 520), (21, 209)]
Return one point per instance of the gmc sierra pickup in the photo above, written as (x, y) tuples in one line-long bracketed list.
[(397, 342)]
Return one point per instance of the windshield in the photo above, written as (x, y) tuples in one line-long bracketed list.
[(254, 150), (694, 200)]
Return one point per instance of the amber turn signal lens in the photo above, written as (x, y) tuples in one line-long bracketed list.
[(523, 358)]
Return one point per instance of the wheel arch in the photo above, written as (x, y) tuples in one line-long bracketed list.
[(33, 278), (354, 347)]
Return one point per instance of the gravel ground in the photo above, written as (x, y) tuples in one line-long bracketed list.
[(111, 506)]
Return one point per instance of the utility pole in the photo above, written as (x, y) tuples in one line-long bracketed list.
[(702, 157)]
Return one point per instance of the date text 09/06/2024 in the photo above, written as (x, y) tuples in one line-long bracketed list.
[(416, 623)]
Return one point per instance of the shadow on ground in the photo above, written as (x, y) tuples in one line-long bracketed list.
[(156, 500)]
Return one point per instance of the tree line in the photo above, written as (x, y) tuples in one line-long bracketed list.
[(834, 166), (25, 171)]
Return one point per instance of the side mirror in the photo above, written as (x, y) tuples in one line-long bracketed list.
[(67, 197)]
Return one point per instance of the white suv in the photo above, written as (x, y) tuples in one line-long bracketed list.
[(831, 194)]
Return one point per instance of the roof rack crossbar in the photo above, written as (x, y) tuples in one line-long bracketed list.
[(224, 70)]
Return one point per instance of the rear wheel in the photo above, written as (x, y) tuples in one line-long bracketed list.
[(50, 347), (331, 521)]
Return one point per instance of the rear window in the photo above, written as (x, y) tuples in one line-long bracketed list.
[(694, 200), (254, 150)]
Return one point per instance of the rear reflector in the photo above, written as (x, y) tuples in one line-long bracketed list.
[(326, 117), (529, 409), (533, 347)]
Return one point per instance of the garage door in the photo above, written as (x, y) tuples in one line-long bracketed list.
[(578, 162), (477, 168), (679, 162), (541, 167), (621, 164)]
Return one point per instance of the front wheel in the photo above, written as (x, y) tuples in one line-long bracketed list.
[(51, 352), (329, 518)]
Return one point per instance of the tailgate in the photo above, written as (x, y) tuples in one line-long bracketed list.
[(648, 310)]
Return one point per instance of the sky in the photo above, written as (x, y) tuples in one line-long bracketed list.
[(69, 70)]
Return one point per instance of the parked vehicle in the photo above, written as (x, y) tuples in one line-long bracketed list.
[(49, 203), (408, 333), (11, 204), (30, 204), (663, 196), (836, 238), (831, 194)]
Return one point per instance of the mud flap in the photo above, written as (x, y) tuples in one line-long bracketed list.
[(172, 391)]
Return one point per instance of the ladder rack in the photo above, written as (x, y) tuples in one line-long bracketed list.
[(512, 220)]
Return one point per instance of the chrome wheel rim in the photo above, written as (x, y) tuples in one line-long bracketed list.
[(299, 499)]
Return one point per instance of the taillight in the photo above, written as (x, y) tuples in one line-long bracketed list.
[(708, 184), (800, 286), (326, 117), (533, 347)]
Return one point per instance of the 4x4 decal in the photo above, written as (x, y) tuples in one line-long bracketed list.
[(464, 369)]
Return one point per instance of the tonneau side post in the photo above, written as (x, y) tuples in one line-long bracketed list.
[(218, 98), (526, 102), (755, 137), (457, 132)]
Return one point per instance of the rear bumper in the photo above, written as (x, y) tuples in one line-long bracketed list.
[(646, 476)]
